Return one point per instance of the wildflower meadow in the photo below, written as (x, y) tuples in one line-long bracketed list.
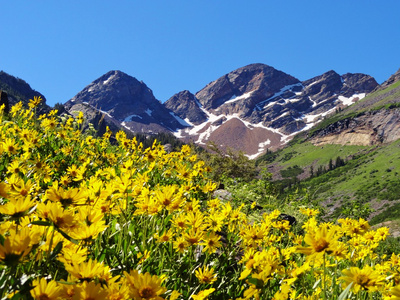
[(85, 217)]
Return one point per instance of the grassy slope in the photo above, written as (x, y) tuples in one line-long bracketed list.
[(370, 176), (305, 154)]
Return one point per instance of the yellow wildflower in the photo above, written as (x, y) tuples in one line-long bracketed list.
[(363, 279), (15, 247), (206, 275), (45, 290), (323, 240), (87, 270), (203, 295), (180, 244), (89, 291), (144, 286), (211, 242), (35, 101)]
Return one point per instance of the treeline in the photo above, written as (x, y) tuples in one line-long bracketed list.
[(164, 138), (339, 162), (291, 182)]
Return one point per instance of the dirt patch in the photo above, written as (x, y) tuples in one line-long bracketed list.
[(394, 227), (235, 134), (380, 206), (360, 138)]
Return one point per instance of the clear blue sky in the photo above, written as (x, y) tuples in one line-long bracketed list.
[(59, 47)]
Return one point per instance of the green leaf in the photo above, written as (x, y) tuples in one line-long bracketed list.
[(41, 223), (57, 249), (17, 296), (257, 282), (344, 294), (316, 284), (76, 242)]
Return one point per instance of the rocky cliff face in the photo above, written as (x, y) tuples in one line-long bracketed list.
[(186, 106), (128, 101), (254, 83), (371, 128), (374, 120)]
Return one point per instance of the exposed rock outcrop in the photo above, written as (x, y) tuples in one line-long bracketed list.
[(186, 106), (261, 80), (370, 128)]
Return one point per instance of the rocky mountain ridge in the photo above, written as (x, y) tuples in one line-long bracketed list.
[(276, 104), (392, 79), (253, 108)]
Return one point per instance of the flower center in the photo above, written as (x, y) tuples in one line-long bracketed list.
[(146, 292), (363, 280), (44, 297), (321, 245)]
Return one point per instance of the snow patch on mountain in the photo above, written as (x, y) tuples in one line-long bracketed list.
[(313, 83), (312, 119), (261, 149), (314, 104), (235, 98), (104, 112), (267, 102), (350, 100), (109, 79), (129, 118), (180, 120), (124, 125)]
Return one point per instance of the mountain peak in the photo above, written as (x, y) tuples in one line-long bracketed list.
[(255, 103), (114, 88), (263, 79), (185, 105), (254, 67), (115, 77), (127, 100)]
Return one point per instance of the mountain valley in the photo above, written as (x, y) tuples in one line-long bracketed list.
[(336, 136)]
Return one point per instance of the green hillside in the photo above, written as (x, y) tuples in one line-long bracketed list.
[(370, 177), (347, 180)]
